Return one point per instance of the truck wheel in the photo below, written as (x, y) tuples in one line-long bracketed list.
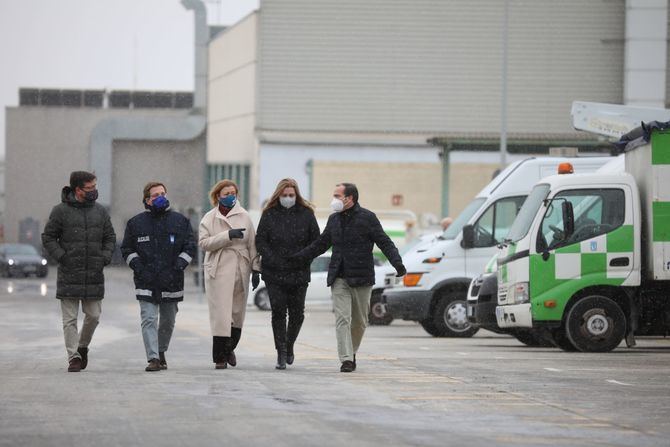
[(531, 338), (450, 317), (596, 324), (560, 340), (262, 299), (378, 314)]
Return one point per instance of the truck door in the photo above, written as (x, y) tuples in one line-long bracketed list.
[(491, 229), (598, 252)]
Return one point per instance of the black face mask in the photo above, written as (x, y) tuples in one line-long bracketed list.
[(91, 196)]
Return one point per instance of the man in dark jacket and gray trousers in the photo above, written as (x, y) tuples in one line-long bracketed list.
[(158, 245), (80, 237), (351, 231)]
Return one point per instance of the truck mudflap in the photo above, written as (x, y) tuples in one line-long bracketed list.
[(517, 315)]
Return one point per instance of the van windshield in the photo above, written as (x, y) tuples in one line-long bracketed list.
[(462, 219), (527, 213)]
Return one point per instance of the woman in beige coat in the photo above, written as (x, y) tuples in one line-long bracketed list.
[(227, 236)]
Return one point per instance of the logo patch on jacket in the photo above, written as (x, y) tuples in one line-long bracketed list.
[(143, 239)]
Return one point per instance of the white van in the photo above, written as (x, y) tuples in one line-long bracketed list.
[(439, 270)]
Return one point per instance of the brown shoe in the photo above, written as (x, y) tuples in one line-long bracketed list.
[(221, 365), (154, 365), (162, 360), (83, 352), (232, 360), (75, 365)]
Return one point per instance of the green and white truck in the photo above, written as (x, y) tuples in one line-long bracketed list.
[(587, 260)]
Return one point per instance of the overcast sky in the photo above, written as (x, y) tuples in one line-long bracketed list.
[(112, 44)]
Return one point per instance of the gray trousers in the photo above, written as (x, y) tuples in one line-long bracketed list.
[(351, 305), (157, 334), (70, 311)]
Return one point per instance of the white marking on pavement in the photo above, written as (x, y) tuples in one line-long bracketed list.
[(463, 353), (553, 369), (424, 348), (616, 382)]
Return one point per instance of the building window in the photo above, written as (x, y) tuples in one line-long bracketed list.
[(239, 173)]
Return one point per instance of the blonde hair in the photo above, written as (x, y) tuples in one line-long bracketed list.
[(216, 190), (281, 186)]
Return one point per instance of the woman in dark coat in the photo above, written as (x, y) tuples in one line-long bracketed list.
[(287, 225)]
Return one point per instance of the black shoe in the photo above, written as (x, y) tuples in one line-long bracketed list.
[(281, 359), (161, 359), (232, 360), (354, 362), (290, 357), (154, 365), (83, 352), (347, 366)]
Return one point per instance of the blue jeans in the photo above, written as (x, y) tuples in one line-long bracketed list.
[(157, 335)]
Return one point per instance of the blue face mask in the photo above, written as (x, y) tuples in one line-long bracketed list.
[(160, 204), (228, 201)]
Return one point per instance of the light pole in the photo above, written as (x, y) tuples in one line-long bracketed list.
[(503, 100)]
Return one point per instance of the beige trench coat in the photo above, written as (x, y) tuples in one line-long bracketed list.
[(227, 267)]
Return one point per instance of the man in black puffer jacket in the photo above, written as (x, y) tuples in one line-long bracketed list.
[(351, 231), (158, 245), (80, 237)]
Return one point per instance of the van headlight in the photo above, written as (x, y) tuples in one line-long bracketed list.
[(519, 292)]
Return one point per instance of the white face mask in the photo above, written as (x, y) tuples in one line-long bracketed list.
[(287, 202), (337, 205)]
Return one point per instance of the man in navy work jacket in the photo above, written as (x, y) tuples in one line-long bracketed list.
[(158, 245)]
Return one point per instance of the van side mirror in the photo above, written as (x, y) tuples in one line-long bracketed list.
[(468, 236), (568, 219)]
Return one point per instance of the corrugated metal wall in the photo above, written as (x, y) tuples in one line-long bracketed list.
[(434, 66)]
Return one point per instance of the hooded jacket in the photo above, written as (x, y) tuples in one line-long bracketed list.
[(80, 237)]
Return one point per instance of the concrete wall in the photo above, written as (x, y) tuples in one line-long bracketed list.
[(232, 94), (44, 144), (179, 165)]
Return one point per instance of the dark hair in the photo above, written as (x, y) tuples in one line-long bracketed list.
[(147, 188), (350, 190), (78, 178)]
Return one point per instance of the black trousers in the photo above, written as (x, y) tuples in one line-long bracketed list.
[(283, 299), (223, 346)]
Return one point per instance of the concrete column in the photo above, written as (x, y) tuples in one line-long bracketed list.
[(645, 52)]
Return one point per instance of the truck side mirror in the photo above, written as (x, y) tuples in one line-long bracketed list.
[(468, 236), (568, 218)]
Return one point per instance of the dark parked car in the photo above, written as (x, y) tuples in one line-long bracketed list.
[(21, 260)]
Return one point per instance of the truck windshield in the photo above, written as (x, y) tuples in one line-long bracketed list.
[(463, 218), (527, 213)]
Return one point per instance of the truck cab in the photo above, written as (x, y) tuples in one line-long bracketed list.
[(575, 264), (439, 271)]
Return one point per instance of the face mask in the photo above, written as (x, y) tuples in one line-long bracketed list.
[(160, 203), (337, 205), (287, 202), (228, 201), (91, 196)]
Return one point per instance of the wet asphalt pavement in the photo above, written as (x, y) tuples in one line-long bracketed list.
[(409, 389)]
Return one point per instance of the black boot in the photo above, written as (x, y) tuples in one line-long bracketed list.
[(161, 359), (290, 356), (235, 334), (281, 357)]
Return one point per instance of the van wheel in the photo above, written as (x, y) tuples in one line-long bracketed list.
[(450, 317), (532, 339), (595, 324), (378, 314), (429, 326), (262, 299)]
